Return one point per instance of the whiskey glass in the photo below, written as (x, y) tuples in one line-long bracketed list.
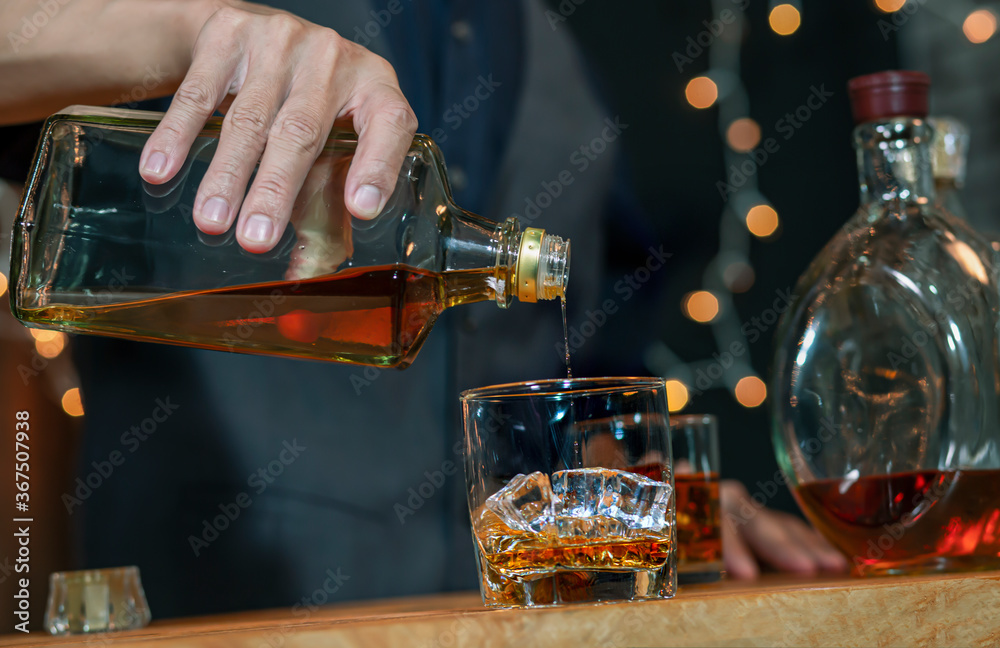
[(695, 446), (570, 488)]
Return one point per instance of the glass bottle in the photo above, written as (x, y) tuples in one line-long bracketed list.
[(98, 250), (885, 383), (949, 151), (949, 156)]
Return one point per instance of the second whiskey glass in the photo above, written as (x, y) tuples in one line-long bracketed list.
[(695, 444)]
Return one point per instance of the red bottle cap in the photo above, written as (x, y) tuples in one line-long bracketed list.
[(883, 95)]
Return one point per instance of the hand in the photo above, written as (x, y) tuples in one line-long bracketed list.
[(291, 80), (775, 538)]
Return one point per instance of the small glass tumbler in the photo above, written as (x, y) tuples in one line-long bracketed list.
[(695, 448), (97, 600), (570, 491)]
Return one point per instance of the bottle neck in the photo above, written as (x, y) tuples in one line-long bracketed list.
[(527, 264), (541, 270), (894, 162)]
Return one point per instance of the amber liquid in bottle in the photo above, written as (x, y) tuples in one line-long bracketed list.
[(374, 316), (891, 522)]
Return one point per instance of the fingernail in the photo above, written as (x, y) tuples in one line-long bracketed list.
[(258, 229), (156, 163), (215, 210), (367, 200)]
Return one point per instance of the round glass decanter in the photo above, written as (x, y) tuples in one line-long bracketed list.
[(885, 378)]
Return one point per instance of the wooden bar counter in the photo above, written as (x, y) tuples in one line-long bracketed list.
[(946, 610)]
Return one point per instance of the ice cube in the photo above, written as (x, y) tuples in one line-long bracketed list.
[(582, 502), (646, 502), (600, 501), (592, 526), (525, 503)]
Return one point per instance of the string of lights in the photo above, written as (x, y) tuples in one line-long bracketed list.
[(748, 214)]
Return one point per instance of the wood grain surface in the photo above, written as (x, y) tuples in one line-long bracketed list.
[(945, 610)]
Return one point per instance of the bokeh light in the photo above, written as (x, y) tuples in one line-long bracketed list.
[(889, 6), (762, 220), (50, 347), (751, 391), (677, 395), (784, 19), (738, 276), (701, 92), (72, 404), (3, 284), (701, 306), (980, 25), (743, 135)]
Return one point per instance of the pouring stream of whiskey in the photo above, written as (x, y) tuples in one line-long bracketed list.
[(569, 370)]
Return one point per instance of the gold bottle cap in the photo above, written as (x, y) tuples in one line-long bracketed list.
[(527, 264)]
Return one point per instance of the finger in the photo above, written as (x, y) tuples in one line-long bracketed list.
[(385, 125), (322, 223), (294, 141), (206, 84), (824, 554), (733, 495), (244, 133), (768, 537), (736, 556), (318, 185)]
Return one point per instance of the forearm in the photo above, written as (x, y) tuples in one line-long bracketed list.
[(62, 52)]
